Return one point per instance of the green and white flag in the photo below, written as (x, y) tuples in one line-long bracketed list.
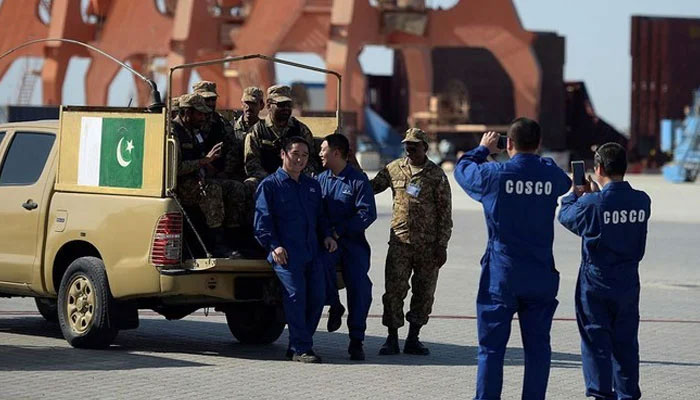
[(111, 152)]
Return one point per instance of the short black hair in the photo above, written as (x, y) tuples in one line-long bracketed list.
[(287, 144), (338, 142), (525, 134), (612, 159)]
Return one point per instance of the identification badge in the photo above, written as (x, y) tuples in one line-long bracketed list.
[(199, 138), (347, 192), (413, 190)]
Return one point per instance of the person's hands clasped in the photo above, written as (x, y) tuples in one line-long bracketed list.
[(330, 244), (490, 141), (279, 255)]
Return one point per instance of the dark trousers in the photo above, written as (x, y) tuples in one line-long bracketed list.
[(355, 258), (303, 296), (608, 321), (504, 291)]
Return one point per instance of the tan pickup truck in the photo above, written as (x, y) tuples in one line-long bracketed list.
[(89, 230)]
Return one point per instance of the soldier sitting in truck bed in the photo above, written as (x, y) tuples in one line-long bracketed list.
[(218, 199), (264, 142)]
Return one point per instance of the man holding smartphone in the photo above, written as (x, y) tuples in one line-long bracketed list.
[(612, 223), (519, 198)]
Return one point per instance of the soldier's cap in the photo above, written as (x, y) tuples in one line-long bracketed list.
[(279, 93), (415, 135), (194, 100), (205, 89), (252, 93)]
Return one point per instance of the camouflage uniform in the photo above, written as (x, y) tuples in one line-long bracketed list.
[(218, 199), (264, 142), (420, 225)]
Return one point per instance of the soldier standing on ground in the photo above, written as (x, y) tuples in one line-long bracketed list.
[(264, 142), (613, 226), (193, 187), (421, 226)]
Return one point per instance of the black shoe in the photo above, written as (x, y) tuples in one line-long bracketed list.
[(335, 317), (308, 357), (357, 353), (390, 347), (414, 346)]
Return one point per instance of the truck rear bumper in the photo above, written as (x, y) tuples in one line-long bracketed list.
[(221, 279)]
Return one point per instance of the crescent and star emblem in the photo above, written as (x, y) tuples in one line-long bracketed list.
[(129, 148)]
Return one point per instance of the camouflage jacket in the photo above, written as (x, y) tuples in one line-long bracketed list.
[(263, 145), (233, 150), (422, 210), (215, 131), (190, 149)]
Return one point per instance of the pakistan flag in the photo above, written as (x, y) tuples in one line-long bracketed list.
[(111, 152)]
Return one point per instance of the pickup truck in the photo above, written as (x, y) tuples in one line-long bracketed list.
[(90, 228)]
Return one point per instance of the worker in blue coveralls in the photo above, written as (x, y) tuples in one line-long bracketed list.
[(289, 221), (519, 198), (612, 223), (349, 201)]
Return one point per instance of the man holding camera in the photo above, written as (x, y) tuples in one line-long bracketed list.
[(612, 223), (519, 198)]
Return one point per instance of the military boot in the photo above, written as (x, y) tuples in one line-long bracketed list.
[(391, 346), (413, 345), (357, 353)]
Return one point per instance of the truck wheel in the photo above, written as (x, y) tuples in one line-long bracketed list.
[(48, 308), (255, 323), (85, 305)]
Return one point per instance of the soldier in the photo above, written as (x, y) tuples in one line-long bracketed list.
[(233, 150), (264, 143), (216, 127), (519, 198), (612, 223), (421, 226), (216, 202)]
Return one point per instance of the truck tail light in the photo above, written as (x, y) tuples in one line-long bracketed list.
[(166, 248)]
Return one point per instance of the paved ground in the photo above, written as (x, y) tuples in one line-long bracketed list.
[(197, 357)]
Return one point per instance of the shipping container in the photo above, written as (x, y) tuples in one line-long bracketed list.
[(665, 71)]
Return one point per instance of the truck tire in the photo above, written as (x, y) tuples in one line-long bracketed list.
[(85, 305), (255, 323), (48, 308)]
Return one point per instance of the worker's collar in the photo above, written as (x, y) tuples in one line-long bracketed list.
[(343, 174), (619, 185), (525, 156)]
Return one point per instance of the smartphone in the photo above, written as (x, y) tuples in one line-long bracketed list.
[(502, 141), (579, 170)]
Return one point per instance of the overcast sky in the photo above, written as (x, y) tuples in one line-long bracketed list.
[(597, 51)]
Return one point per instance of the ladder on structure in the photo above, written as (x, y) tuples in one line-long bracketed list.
[(29, 80), (686, 156)]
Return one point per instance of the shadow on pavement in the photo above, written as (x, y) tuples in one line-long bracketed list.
[(213, 339)]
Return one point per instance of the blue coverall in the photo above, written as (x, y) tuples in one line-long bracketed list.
[(519, 198), (613, 227), (350, 206), (290, 214)]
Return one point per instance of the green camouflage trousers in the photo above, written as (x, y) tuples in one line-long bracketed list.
[(225, 202), (402, 260)]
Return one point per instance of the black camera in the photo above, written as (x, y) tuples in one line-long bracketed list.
[(502, 141)]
